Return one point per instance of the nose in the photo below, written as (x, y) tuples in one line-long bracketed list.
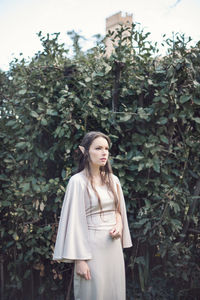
[(104, 152)]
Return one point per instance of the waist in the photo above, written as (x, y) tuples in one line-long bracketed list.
[(101, 221)]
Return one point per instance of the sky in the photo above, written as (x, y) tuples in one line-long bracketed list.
[(21, 20)]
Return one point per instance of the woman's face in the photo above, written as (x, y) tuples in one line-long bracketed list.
[(99, 151)]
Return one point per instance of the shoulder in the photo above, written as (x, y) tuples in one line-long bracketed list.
[(115, 178), (78, 178)]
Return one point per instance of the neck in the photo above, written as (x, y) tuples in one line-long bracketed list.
[(95, 171)]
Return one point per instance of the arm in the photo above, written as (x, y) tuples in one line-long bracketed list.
[(72, 242), (125, 236), (116, 231)]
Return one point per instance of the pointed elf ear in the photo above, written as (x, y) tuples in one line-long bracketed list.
[(82, 149)]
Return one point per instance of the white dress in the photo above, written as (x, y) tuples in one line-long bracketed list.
[(83, 234)]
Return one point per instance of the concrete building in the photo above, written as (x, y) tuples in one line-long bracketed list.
[(113, 23)]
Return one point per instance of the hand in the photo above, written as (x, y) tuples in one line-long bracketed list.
[(82, 269), (116, 231)]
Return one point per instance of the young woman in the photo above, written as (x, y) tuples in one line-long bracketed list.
[(93, 225)]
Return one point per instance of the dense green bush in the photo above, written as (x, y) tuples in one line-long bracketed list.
[(150, 108)]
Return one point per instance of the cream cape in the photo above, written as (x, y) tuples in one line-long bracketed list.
[(72, 241)]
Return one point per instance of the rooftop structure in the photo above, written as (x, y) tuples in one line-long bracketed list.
[(113, 23)]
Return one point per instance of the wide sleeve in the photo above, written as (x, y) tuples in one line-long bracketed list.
[(126, 237), (72, 238)]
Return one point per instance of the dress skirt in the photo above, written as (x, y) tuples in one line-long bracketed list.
[(106, 267)]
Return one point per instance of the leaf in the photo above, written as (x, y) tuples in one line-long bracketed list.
[(164, 100), (27, 274), (100, 74), (137, 158), (15, 236), (82, 84), (141, 222), (11, 123), (3, 176), (41, 289), (125, 118), (147, 227), (150, 82), (185, 98), (175, 206), (162, 121), (129, 155), (164, 139), (141, 277), (5, 203), (44, 121), (140, 167), (156, 164), (51, 112), (107, 68), (42, 206), (26, 186), (197, 120), (22, 92), (119, 157), (196, 101), (34, 114), (130, 178), (142, 113), (21, 145), (140, 260), (8, 244)]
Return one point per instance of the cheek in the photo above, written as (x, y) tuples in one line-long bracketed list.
[(92, 155)]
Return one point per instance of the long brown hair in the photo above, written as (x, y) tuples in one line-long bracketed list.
[(105, 171)]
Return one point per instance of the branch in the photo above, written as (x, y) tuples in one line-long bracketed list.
[(194, 230), (191, 210), (118, 69)]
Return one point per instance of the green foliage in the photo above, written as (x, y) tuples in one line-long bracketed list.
[(150, 108)]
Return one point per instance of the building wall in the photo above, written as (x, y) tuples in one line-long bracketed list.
[(113, 23)]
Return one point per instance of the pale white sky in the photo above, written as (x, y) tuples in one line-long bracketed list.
[(20, 20)]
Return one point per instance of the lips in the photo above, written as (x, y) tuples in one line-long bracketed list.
[(103, 159)]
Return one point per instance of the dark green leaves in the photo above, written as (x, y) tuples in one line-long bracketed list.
[(150, 109)]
